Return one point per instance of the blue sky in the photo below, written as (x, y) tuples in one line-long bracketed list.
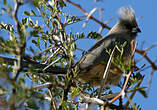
[(143, 8)]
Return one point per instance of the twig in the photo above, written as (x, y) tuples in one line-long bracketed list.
[(87, 99), (150, 80), (92, 100), (53, 104), (22, 46), (134, 92), (120, 101), (93, 18), (106, 73), (53, 55), (152, 46), (143, 53), (123, 89), (101, 19), (130, 102), (43, 51), (88, 17), (109, 96), (20, 49), (52, 63), (46, 85)]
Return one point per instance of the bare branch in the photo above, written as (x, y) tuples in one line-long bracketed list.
[(92, 100), (88, 17), (143, 53), (91, 17), (150, 80), (123, 89)]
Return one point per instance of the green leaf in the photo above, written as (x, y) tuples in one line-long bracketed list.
[(27, 13), (31, 22), (31, 103), (32, 50), (118, 47), (34, 33), (73, 19), (10, 8), (34, 42), (24, 21), (33, 13), (124, 44), (75, 92), (61, 3), (8, 27), (143, 92), (94, 35), (36, 3)]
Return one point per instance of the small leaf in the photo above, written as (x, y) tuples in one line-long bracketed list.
[(31, 103), (31, 23), (143, 92), (33, 13), (108, 51), (62, 4), (124, 44), (24, 21), (32, 50), (27, 13), (75, 92), (94, 35), (79, 36), (118, 47), (34, 42)]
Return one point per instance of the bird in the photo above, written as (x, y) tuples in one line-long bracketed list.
[(93, 64)]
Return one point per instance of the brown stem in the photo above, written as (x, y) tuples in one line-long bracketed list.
[(143, 53), (123, 89), (134, 92)]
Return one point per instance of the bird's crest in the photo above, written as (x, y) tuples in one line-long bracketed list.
[(127, 14)]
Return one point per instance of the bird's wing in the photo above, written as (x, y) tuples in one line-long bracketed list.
[(98, 53)]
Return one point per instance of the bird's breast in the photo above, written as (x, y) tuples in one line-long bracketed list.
[(95, 74)]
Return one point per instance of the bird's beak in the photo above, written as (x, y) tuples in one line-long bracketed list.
[(136, 30)]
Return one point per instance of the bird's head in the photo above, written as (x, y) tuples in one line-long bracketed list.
[(128, 21)]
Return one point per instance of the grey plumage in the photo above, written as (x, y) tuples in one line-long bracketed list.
[(92, 65), (127, 13)]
